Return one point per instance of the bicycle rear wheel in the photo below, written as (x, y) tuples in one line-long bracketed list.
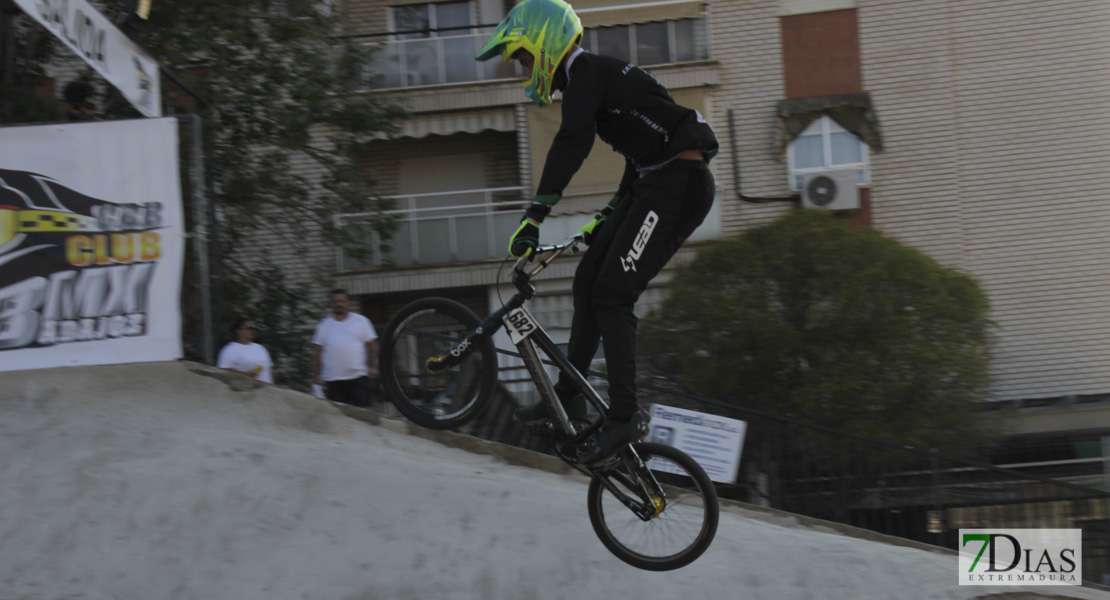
[(430, 329), (681, 522)]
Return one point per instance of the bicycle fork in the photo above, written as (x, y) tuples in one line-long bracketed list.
[(647, 503)]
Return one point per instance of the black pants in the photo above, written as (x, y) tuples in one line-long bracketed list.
[(633, 245), (357, 392)]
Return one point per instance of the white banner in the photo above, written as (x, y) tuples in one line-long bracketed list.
[(98, 42), (91, 244), (713, 441)]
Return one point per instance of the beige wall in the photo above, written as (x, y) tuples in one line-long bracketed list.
[(362, 17), (496, 149), (997, 141)]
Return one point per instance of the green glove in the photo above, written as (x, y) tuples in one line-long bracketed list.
[(589, 230), (526, 238)]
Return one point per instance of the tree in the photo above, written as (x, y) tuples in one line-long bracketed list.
[(285, 118), (25, 49), (814, 319)]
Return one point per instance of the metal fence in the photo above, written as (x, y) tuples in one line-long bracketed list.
[(817, 471), (908, 492)]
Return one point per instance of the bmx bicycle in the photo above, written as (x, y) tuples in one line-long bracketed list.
[(651, 505)]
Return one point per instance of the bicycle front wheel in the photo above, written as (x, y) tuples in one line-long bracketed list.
[(430, 329), (678, 517)]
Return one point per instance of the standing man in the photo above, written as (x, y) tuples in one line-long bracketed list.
[(345, 354), (665, 193)]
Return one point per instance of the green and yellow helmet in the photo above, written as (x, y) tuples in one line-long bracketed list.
[(547, 29)]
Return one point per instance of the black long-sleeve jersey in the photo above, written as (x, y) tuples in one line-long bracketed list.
[(629, 110)]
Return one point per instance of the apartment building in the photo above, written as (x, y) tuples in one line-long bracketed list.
[(464, 167), (974, 130)]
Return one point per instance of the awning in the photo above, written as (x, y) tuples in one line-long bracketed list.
[(602, 14), (853, 112), (474, 121)]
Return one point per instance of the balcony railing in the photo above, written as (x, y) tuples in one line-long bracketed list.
[(431, 61), (439, 228), (447, 227), (449, 58)]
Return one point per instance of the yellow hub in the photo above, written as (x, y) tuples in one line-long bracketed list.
[(432, 359), (659, 504)]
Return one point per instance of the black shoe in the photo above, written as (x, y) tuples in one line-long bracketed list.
[(541, 411), (615, 436)]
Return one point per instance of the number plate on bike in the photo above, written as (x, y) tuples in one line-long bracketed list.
[(519, 324)]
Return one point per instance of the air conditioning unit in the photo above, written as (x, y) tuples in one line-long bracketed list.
[(831, 190)]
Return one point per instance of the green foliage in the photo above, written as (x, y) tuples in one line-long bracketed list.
[(21, 105), (273, 302), (812, 318), (25, 49), (285, 115), (284, 120)]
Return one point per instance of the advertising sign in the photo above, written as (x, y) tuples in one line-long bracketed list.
[(714, 442), (91, 244)]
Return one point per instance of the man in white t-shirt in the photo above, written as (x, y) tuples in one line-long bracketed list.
[(245, 357), (345, 354)]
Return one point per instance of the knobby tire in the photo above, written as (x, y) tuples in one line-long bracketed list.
[(675, 537), (425, 329)]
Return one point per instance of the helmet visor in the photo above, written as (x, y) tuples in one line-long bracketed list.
[(493, 48)]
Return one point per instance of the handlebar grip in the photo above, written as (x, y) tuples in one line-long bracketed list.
[(571, 243), (523, 260)]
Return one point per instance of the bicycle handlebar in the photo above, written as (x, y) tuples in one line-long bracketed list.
[(571, 243)]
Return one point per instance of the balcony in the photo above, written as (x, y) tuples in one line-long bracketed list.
[(449, 59), (440, 228), (467, 225), (436, 60)]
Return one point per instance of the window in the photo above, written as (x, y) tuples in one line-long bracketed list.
[(416, 21), (435, 43), (826, 145), (650, 43)]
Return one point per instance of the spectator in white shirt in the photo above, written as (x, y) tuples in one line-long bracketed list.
[(244, 356), (345, 354)]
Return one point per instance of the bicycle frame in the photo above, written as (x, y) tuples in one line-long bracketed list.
[(627, 478), (523, 327), (529, 337)]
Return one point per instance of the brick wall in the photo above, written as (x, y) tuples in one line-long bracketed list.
[(820, 54)]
